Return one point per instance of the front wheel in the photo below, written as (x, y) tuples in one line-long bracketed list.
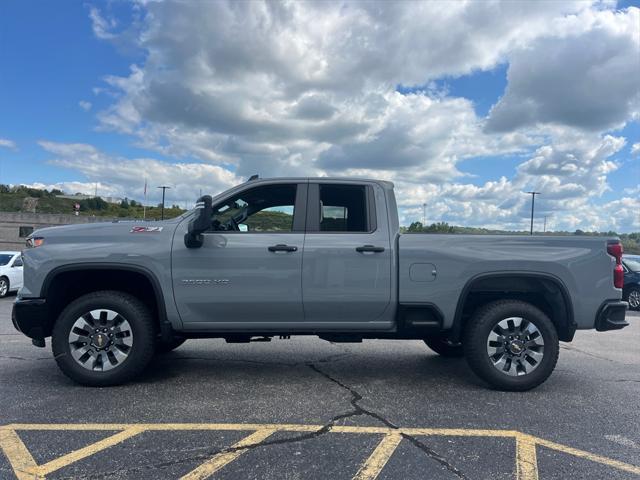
[(511, 344), (103, 338)]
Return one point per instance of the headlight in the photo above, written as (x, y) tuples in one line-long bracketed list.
[(33, 242)]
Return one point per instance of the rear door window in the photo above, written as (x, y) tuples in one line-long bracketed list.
[(343, 208)]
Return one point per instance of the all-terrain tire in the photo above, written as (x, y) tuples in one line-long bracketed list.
[(142, 331), (476, 340)]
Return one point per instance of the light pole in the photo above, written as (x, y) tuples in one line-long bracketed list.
[(163, 187), (533, 203)]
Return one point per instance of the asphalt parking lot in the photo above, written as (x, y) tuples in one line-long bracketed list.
[(306, 408)]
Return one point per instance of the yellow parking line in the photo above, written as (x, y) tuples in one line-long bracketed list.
[(19, 457), (217, 462), (25, 466), (87, 451), (164, 426), (372, 467), (259, 426), (589, 456), (459, 432), (526, 459)]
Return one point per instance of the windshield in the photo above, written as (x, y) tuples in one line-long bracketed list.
[(5, 258), (633, 265)]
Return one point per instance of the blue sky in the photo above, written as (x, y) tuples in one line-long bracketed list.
[(51, 62), (115, 92)]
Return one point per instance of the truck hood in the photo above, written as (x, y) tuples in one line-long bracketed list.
[(130, 243), (110, 235), (101, 228)]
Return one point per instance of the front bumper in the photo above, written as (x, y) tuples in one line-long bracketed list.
[(611, 316), (31, 317)]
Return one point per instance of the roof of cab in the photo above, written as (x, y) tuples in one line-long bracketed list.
[(386, 183)]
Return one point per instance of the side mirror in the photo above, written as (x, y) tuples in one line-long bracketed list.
[(200, 223)]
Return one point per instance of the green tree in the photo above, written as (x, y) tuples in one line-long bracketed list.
[(440, 227), (415, 227), (95, 203)]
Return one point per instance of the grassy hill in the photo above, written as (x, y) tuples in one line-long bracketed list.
[(25, 199)]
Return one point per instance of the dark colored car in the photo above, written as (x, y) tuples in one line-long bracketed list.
[(631, 292)]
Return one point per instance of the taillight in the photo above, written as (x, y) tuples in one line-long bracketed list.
[(615, 250), (618, 276)]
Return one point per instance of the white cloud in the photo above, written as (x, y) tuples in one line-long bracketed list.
[(85, 188), (102, 26), (309, 88), (585, 75), (84, 105), (126, 177), (575, 166), (571, 175), (635, 149), (289, 81), (6, 143)]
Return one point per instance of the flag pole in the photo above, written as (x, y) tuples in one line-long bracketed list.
[(144, 204)]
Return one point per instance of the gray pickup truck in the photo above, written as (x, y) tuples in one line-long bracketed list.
[(311, 256)]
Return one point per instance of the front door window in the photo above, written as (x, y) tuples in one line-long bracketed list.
[(268, 208)]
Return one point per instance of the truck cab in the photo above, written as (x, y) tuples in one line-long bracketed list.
[(311, 256)]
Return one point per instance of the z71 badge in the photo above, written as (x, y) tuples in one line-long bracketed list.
[(146, 229)]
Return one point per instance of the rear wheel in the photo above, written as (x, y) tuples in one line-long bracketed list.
[(103, 338), (511, 344), (633, 297), (445, 347)]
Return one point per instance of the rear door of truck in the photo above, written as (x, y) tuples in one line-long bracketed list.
[(347, 262)]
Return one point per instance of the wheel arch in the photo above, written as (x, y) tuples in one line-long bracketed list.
[(543, 290), (133, 279)]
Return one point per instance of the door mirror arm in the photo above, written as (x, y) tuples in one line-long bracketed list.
[(200, 223)]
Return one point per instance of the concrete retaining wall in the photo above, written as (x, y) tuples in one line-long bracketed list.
[(11, 223)]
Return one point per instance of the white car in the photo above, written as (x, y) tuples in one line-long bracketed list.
[(10, 272)]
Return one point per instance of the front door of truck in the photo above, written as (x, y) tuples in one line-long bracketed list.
[(247, 274), (347, 266)]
